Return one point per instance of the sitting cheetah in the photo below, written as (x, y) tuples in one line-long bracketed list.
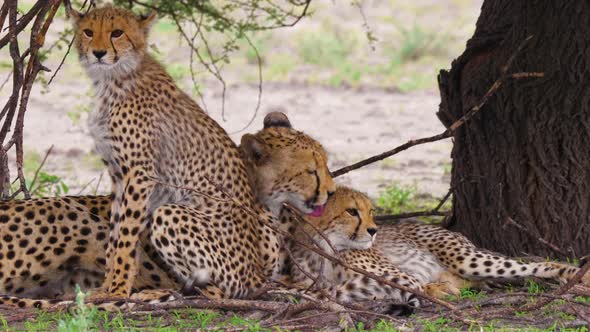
[(294, 170), (411, 253), (157, 142)]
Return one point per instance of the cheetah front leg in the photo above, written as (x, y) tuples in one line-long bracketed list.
[(128, 223)]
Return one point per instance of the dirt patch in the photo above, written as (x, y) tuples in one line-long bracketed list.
[(352, 124)]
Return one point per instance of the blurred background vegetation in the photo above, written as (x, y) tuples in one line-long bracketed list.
[(338, 48)]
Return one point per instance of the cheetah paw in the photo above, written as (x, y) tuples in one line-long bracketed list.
[(441, 290)]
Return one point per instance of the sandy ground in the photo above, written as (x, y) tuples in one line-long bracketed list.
[(352, 124)]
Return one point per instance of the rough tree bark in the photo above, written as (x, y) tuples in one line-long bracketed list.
[(526, 156)]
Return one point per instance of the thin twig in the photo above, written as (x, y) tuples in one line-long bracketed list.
[(510, 221), (561, 290), (40, 167), (68, 6), (259, 98), (98, 183)]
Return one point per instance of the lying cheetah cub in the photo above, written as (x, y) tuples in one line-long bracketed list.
[(347, 223), (411, 254)]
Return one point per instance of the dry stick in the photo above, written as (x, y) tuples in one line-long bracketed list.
[(22, 22), (328, 256), (560, 291), (9, 109), (17, 75), (68, 6), (300, 268), (41, 166), (33, 67), (451, 130), (510, 221), (492, 299), (3, 13), (211, 67), (580, 314), (259, 99), (98, 183)]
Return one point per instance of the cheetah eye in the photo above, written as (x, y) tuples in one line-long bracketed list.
[(116, 33), (88, 32), (353, 212), (311, 172)]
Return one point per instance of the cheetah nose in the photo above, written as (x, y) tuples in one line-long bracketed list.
[(99, 53), (372, 231)]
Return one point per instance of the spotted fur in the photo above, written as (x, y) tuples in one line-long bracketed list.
[(155, 140), (348, 225), (207, 250), (420, 256)]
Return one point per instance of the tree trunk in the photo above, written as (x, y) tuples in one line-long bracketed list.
[(526, 156)]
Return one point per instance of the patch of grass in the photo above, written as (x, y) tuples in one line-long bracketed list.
[(403, 198), (45, 184), (584, 299), (534, 287), (326, 48), (418, 41), (397, 199), (279, 68), (471, 294), (440, 324), (347, 73), (333, 51), (83, 317), (468, 294)]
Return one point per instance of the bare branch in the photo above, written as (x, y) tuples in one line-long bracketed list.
[(457, 124)]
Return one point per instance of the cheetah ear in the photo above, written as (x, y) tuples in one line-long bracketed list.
[(147, 21), (276, 119), (74, 14), (254, 149)]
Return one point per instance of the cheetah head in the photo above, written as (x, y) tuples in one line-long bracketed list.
[(287, 166), (111, 41), (347, 221)]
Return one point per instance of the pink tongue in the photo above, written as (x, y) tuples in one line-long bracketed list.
[(318, 211)]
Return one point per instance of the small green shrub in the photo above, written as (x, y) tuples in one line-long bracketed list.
[(396, 199), (416, 42), (326, 48), (83, 317), (534, 287)]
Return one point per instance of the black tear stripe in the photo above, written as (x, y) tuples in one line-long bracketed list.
[(317, 184), (114, 49), (356, 230), (130, 42)]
